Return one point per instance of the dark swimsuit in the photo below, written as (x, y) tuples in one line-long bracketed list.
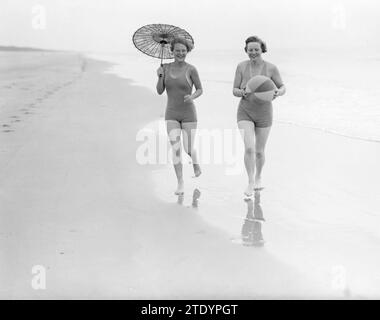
[(252, 109), (176, 89)]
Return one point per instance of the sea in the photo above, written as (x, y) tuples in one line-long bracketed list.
[(334, 90)]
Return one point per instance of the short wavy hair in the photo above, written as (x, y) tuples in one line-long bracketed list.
[(258, 40), (188, 44)]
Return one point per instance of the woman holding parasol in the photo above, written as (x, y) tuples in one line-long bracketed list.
[(178, 79)]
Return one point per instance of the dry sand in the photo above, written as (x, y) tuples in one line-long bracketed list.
[(74, 200)]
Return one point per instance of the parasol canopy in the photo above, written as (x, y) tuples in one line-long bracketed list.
[(154, 39)]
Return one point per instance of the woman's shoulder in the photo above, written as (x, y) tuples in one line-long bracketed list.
[(243, 64), (191, 67), (270, 66)]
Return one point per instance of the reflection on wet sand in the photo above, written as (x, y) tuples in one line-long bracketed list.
[(251, 231), (195, 200), (196, 196)]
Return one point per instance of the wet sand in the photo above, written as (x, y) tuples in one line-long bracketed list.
[(320, 201), (321, 212), (74, 200)]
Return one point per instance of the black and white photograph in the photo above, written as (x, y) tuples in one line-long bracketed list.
[(189, 150)]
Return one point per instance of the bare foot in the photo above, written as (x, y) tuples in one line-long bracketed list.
[(249, 191), (197, 170), (180, 188), (258, 185)]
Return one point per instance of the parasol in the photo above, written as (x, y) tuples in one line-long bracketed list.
[(154, 39)]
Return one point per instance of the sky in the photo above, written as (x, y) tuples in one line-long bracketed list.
[(108, 25)]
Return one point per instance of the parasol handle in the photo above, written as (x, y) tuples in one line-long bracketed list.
[(162, 54), (163, 42)]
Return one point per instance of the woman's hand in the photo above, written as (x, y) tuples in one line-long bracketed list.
[(187, 98), (160, 72), (240, 93), (160, 82), (279, 92)]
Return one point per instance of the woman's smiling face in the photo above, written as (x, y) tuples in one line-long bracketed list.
[(254, 50), (180, 52)]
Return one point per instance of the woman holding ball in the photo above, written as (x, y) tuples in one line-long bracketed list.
[(255, 116)]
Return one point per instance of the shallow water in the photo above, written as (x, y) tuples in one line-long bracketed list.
[(334, 91)]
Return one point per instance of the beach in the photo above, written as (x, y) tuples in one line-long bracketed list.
[(75, 199)]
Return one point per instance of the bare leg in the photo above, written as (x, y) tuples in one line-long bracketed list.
[(247, 129), (262, 135), (189, 130), (174, 134)]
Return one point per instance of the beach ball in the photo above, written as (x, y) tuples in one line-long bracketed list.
[(262, 87)]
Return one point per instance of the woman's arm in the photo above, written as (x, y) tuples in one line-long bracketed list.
[(237, 92), (194, 76), (276, 77), (160, 82)]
